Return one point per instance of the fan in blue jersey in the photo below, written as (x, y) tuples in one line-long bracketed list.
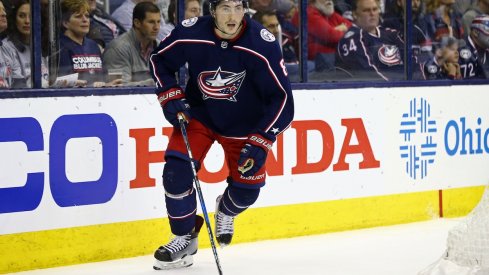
[(237, 94), (79, 54), (370, 51), (455, 59), (445, 63), (479, 41)]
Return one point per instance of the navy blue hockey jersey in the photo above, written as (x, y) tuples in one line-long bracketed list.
[(235, 87), (370, 56), (470, 66), (85, 59)]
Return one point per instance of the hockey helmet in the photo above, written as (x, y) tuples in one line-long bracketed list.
[(213, 3), (480, 28)]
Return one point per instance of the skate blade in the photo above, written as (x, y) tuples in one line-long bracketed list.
[(186, 261)]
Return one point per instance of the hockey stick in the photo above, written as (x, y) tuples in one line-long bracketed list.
[(183, 128)]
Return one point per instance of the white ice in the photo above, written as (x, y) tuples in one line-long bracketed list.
[(391, 250)]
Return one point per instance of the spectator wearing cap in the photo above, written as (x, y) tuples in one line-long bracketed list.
[(478, 41), (480, 8)]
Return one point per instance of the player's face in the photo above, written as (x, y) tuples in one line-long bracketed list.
[(78, 24), (270, 22), (3, 18), (192, 9), (23, 19), (228, 16), (367, 15), (150, 26)]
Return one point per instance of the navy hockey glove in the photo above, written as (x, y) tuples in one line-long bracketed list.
[(254, 154), (173, 103)]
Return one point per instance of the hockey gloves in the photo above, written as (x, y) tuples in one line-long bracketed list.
[(254, 154), (173, 103)]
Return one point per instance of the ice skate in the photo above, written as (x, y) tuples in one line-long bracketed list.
[(224, 226), (178, 252)]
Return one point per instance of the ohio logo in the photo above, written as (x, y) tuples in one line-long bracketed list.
[(419, 147), (220, 84)]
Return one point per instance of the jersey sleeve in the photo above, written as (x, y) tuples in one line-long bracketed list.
[(166, 60), (274, 85)]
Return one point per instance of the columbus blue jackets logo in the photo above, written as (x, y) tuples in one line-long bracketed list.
[(220, 84), (267, 36), (189, 22), (390, 55), (465, 54)]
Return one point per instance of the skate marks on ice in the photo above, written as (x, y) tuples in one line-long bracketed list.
[(399, 249)]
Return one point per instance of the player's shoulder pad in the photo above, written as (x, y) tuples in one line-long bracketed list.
[(258, 32), (194, 25)]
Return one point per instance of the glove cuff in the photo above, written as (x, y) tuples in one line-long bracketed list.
[(169, 95), (260, 141)]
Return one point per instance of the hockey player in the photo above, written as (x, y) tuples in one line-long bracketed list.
[(369, 51), (237, 94)]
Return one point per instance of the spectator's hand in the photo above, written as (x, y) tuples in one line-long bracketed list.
[(254, 154), (81, 83), (452, 69), (342, 27), (173, 103), (115, 83)]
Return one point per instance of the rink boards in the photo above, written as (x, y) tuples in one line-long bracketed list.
[(82, 182)]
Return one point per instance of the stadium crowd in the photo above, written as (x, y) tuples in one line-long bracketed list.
[(102, 44)]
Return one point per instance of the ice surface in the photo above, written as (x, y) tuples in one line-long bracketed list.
[(392, 250)]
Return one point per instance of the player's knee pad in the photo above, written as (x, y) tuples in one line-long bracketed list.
[(180, 196), (236, 200), (177, 176)]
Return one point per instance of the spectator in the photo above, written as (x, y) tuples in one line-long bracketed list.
[(19, 39), (192, 9), (368, 50), (443, 20), (479, 41), (282, 7), (79, 54), (481, 7), (130, 52), (462, 6), (123, 14), (394, 19), (3, 21), (103, 27), (10, 71), (445, 63), (325, 29)]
